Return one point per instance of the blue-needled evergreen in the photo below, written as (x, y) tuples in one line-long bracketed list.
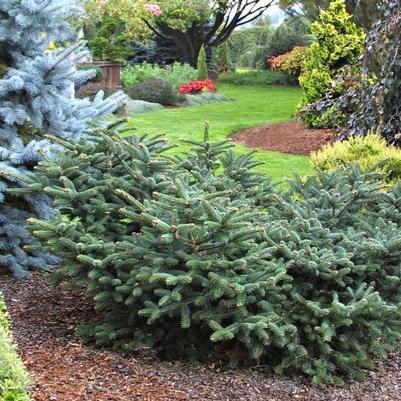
[(38, 54)]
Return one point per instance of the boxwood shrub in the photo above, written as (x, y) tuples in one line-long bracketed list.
[(14, 380)]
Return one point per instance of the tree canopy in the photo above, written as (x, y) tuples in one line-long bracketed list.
[(189, 24), (365, 12)]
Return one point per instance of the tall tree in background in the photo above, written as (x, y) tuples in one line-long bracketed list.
[(365, 12), (189, 24), (110, 26), (35, 100)]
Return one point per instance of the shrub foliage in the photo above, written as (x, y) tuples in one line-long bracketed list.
[(259, 77), (176, 74), (370, 152), (154, 91), (339, 43), (194, 87), (198, 255), (14, 380), (375, 105), (221, 60), (290, 63), (202, 65)]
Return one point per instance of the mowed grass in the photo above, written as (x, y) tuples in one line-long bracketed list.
[(250, 107)]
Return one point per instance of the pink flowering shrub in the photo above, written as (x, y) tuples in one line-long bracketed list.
[(154, 9)]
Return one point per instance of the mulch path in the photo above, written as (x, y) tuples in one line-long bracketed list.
[(290, 137), (64, 369)]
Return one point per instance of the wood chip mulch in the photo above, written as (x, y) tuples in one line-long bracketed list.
[(63, 369), (290, 137)]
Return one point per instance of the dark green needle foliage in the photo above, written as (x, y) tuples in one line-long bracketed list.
[(198, 256)]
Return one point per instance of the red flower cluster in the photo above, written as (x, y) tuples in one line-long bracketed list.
[(194, 87)]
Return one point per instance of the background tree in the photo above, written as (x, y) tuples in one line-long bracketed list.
[(189, 24), (110, 41), (252, 47), (249, 47), (125, 13), (294, 31), (365, 12)]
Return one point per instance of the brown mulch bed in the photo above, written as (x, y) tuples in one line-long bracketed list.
[(290, 137), (63, 369)]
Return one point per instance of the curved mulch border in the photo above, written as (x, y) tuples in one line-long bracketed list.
[(64, 369), (290, 137)]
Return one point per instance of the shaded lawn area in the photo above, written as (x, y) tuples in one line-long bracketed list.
[(251, 106)]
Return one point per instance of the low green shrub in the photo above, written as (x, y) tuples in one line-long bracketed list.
[(371, 152), (205, 98), (176, 74), (154, 91), (14, 380), (199, 257), (259, 77)]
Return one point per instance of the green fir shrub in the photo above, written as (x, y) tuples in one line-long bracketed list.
[(371, 152), (154, 91), (177, 74), (258, 77), (199, 257), (339, 43), (14, 380), (203, 73)]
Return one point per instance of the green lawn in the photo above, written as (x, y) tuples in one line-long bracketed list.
[(251, 106)]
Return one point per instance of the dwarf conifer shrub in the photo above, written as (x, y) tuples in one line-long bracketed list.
[(154, 91), (196, 255), (371, 152), (202, 65)]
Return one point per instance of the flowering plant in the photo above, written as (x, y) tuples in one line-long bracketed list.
[(291, 62), (154, 9), (194, 87)]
